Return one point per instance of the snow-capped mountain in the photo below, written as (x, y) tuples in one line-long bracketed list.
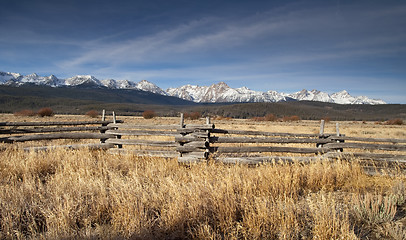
[(83, 80), (8, 78), (219, 92), (313, 95), (35, 79), (16, 79), (144, 85), (344, 97), (118, 84)]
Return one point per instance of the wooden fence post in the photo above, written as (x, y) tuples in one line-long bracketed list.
[(321, 134), (182, 121), (103, 140), (114, 118), (104, 115), (322, 127), (207, 140), (182, 125), (194, 142), (117, 136), (338, 134), (337, 130)]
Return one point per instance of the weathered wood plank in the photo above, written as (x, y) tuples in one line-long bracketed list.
[(142, 133), (188, 138), (135, 126), (94, 146), (52, 129), (25, 124), (168, 127), (182, 120), (53, 136), (244, 132), (322, 123), (195, 128), (142, 142), (266, 140), (266, 149), (201, 155), (198, 144), (200, 134), (199, 126), (360, 139), (252, 149), (387, 147)]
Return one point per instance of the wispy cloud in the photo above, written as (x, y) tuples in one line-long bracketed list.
[(285, 38), (303, 43)]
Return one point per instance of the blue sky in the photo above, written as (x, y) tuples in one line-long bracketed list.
[(285, 46)]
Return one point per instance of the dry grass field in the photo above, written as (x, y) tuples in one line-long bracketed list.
[(85, 194)]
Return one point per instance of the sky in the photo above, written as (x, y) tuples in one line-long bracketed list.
[(286, 46)]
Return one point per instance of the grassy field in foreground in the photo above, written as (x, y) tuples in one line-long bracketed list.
[(92, 194), (87, 194)]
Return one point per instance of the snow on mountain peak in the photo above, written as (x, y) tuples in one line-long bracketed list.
[(144, 85), (343, 92), (31, 78), (33, 75), (9, 78), (116, 84), (83, 80), (219, 92)]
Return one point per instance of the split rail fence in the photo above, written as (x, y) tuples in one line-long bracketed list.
[(16, 132), (253, 147), (198, 142)]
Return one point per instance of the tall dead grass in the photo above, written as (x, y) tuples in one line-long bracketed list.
[(92, 194)]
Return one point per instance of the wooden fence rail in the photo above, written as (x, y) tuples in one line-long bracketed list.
[(53, 129), (54, 136), (11, 132), (390, 140), (31, 124), (196, 142)]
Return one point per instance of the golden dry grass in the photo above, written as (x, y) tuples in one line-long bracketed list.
[(92, 194), (88, 194)]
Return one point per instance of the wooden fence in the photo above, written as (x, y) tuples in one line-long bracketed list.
[(161, 140), (196, 142), (193, 143), (253, 147), (14, 132)]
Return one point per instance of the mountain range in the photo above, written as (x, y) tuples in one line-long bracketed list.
[(216, 93)]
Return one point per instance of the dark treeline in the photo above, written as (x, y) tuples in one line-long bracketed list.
[(307, 110)]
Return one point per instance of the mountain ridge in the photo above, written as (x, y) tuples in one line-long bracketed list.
[(215, 93)]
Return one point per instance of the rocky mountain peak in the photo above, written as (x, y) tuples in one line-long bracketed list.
[(33, 75), (83, 80), (144, 85), (219, 92)]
